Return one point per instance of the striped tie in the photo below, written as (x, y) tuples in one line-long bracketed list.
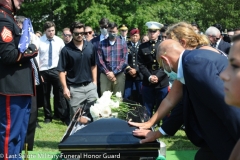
[(35, 72), (50, 53)]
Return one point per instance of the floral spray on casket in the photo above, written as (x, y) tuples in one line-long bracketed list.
[(109, 105)]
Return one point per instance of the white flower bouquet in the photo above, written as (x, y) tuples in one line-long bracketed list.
[(109, 105)]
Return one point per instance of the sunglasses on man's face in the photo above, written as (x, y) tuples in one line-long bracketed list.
[(152, 31), (67, 35), (86, 33), (215, 37), (78, 33), (103, 26), (123, 30)]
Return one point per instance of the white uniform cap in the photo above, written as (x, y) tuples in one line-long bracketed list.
[(154, 25)]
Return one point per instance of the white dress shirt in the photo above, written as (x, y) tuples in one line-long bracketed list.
[(102, 37), (180, 78), (57, 45)]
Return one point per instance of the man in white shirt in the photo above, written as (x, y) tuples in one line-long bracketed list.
[(49, 50)]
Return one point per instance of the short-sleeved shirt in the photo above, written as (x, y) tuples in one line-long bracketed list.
[(77, 63)]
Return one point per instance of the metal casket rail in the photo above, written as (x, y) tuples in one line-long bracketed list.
[(107, 138)]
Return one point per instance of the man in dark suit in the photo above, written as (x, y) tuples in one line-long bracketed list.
[(103, 24), (216, 40), (209, 122), (224, 46)]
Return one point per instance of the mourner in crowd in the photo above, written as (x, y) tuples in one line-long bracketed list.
[(103, 24), (155, 81), (78, 59), (214, 36), (145, 38), (133, 83), (49, 51), (112, 61), (66, 35), (123, 32), (89, 33)]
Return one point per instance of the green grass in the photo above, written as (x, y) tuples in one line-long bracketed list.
[(48, 137)]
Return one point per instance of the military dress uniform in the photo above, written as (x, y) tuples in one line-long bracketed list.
[(133, 85), (152, 94), (16, 85)]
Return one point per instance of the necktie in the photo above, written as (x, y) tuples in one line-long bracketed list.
[(50, 53), (35, 72)]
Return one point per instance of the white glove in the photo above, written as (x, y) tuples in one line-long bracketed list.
[(34, 40)]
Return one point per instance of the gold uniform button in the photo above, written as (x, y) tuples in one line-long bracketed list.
[(154, 60), (153, 44), (20, 65), (153, 49)]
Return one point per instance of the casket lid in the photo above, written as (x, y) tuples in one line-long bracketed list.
[(106, 134)]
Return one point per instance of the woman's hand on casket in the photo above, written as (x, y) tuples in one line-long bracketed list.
[(145, 125), (149, 135)]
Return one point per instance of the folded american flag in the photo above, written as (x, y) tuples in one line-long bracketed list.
[(27, 30)]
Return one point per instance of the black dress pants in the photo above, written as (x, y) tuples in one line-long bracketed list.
[(61, 110), (32, 124), (205, 153)]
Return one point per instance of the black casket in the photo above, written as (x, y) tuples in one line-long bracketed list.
[(108, 138)]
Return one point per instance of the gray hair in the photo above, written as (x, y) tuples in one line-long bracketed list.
[(212, 31), (20, 19)]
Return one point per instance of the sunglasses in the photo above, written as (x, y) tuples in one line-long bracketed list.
[(67, 35), (86, 33), (104, 26), (152, 31), (78, 33), (215, 37), (123, 30)]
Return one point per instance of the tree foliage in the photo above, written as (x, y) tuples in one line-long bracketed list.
[(133, 13)]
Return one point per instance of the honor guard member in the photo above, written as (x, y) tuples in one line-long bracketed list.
[(16, 82), (155, 81), (123, 32), (133, 82)]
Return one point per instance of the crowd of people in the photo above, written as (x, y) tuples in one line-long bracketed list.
[(174, 69)]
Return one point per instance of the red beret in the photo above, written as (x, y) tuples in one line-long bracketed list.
[(134, 31)]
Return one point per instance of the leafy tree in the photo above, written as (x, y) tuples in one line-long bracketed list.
[(132, 13)]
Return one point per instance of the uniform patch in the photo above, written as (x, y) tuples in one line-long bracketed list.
[(6, 35)]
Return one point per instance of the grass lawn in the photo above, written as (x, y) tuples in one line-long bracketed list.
[(48, 137)]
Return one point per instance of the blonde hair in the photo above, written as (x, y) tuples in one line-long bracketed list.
[(185, 31)]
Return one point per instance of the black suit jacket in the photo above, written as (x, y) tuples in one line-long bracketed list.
[(224, 46), (95, 41), (146, 60), (209, 121), (133, 61)]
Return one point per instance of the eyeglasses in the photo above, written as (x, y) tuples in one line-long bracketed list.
[(67, 35), (78, 33), (86, 33), (214, 37), (152, 31), (123, 30)]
